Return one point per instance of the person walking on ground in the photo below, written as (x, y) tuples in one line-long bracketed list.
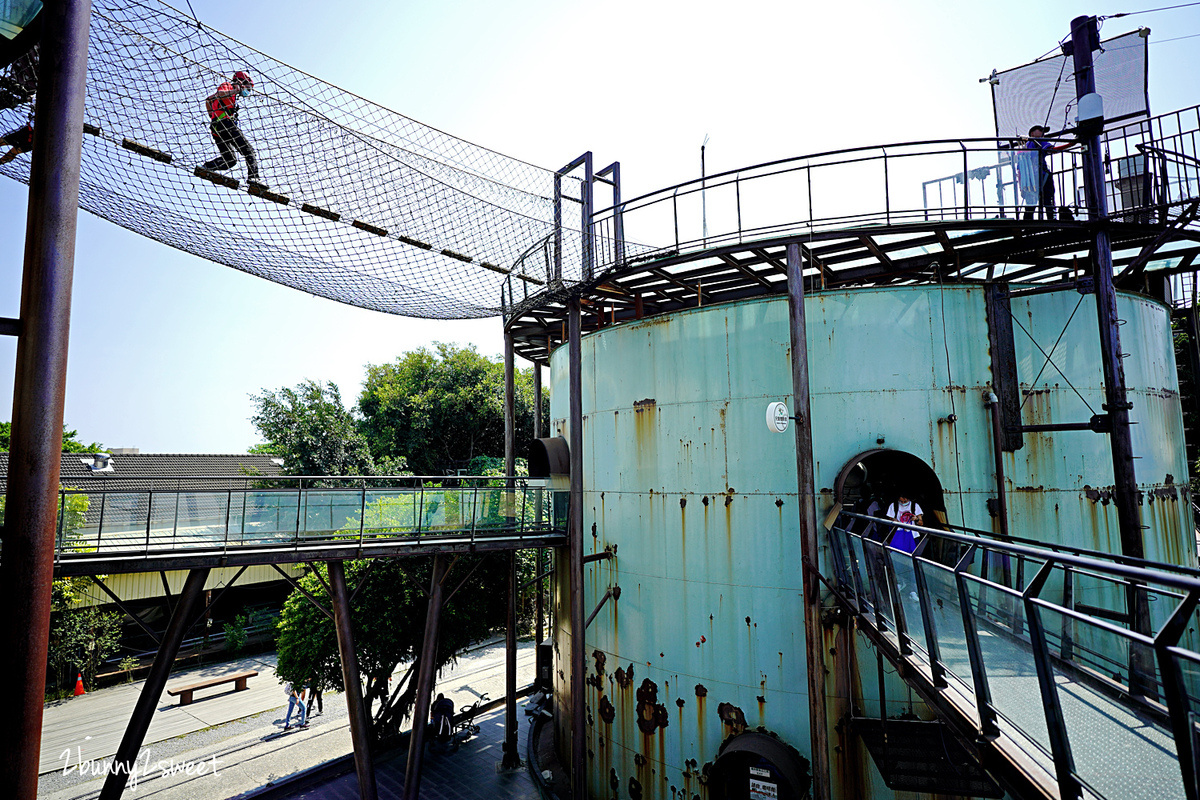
[(294, 701), (312, 697), (222, 110), (441, 715)]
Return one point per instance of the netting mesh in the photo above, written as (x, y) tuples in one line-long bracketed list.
[(364, 205), (1043, 93)]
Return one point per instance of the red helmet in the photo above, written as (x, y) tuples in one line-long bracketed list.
[(242, 79)]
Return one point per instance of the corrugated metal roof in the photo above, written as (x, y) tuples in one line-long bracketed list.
[(157, 470)]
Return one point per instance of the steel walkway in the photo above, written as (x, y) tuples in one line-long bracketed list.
[(209, 522), (1075, 674)]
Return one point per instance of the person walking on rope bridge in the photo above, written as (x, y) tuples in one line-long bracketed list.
[(222, 109), (20, 141)]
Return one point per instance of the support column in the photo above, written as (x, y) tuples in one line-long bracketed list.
[(541, 552), (426, 672), (512, 756), (156, 681), (1084, 35), (809, 545), (360, 721), (27, 571), (575, 535)]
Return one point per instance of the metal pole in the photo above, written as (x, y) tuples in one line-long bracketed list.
[(426, 672), (541, 552), (151, 693), (998, 452), (512, 757), (575, 532), (809, 546), (360, 721), (27, 571), (1085, 35)]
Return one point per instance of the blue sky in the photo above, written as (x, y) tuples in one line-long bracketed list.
[(166, 347)]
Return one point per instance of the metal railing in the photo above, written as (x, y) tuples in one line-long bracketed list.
[(1151, 165), (128, 517), (1088, 664)]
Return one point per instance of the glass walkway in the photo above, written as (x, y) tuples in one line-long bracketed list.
[(234, 521), (1077, 668)]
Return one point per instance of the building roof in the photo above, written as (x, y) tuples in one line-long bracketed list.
[(142, 471)]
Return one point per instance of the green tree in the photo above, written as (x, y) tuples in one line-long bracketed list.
[(81, 639), (313, 432), (70, 443), (389, 620), (439, 409)]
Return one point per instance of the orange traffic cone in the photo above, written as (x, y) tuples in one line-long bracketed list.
[(79, 685)]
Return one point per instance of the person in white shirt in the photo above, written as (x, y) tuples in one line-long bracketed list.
[(905, 511)]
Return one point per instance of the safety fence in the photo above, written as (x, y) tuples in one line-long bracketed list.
[(238, 514), (1089, 664)]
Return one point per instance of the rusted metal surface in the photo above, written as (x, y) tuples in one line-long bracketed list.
[(360, 720), (39, 387), (426, 676), (810, 546), (683, 476)]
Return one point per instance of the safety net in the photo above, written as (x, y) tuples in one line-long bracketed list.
[(353, 201)]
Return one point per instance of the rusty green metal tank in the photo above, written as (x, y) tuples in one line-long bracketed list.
[(684, 480)]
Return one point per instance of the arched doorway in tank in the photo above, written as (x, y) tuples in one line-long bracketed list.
[(872, 480), (755, 766)]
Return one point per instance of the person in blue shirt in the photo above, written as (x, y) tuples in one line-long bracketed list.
[(1037, 182)]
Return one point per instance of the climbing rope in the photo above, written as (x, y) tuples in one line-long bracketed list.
[(357, 203)]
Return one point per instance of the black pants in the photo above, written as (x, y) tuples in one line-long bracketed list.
[(1045, 199), (227, 135)]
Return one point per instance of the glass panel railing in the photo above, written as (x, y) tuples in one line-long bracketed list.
[(288, 513), (1120, 749), (910, 600), (946, 615), (1007, 658)]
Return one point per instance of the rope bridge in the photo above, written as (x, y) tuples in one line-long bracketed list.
[(361, 204)]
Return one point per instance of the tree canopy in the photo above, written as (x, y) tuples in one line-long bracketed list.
[(441, 408), (314, 433)]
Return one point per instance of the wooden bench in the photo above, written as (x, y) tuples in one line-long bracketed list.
[(238, 679)]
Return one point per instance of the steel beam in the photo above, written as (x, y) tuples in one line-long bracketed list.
[(426, 672), (26, 574), (1085, 34), (156, 681), (575, 535), (512, 757), (809, 545), (360, 721), (541, 553)]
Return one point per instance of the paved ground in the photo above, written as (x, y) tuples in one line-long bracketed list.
[(469, 773), (242, 731), (91, 726)]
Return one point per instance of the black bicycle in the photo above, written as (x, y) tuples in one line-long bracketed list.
[(466, 727)]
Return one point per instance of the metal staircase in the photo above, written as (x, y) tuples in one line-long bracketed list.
[(1033, 656)]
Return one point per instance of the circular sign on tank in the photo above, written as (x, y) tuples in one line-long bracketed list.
[(777, 417)]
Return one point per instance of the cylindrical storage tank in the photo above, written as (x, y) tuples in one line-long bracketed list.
[(684, 480)]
